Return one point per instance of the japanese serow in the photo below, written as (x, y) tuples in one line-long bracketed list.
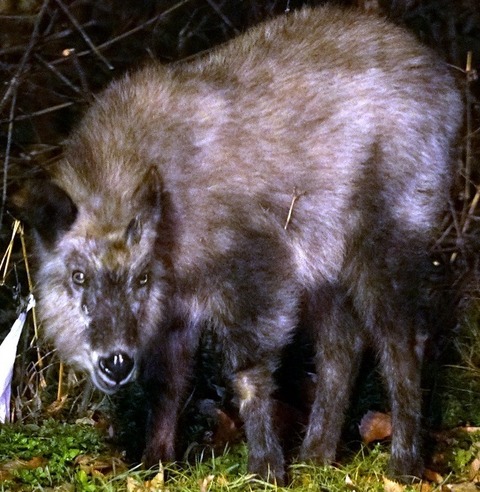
[(305, 165)]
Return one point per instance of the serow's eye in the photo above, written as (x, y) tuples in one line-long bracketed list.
[(78, 277), (143, 279)]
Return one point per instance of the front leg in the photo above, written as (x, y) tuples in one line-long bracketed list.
[(162, 427), (252, 354), (167, 369), (254, 388)]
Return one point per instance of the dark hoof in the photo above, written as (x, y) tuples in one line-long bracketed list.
[(406, 473)]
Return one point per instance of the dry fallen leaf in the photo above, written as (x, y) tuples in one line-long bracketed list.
[(156, 484), (432, 476), (58, 405), (470, 429), (205, 483), (427, 487), (15, 464), (8, 468), (462, 487), (158, 481), (375, 426), (134, 485), (391, 486), (5, 475), (99, 466), (349, 483)]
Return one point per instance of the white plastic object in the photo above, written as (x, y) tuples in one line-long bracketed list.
[(8, 351)]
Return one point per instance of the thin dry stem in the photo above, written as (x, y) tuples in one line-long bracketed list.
[(5, 263), (60, 383), (295, 197)]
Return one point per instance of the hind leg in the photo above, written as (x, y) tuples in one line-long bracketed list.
[(401, 354), (393, 301), (339, 345)]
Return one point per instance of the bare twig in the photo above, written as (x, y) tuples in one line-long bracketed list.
[(67, 32), (40, 112), (222, 16), (136, 29), (84, 35), (58, 74), (469, 207), (19, 48), (33, 40), (6, 162), (468, 122)]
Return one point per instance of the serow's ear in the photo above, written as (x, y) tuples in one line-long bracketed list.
[(45, 207), (134, 230), (147, 198)]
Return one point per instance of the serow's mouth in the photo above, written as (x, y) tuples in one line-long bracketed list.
[(113, 371)]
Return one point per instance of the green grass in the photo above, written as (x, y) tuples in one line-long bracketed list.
[(61, 451), (33, 456), (70, 457)]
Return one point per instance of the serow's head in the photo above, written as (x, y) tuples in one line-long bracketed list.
[(101, 282)]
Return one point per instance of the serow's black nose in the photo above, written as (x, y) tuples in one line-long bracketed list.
[(117, 367)]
